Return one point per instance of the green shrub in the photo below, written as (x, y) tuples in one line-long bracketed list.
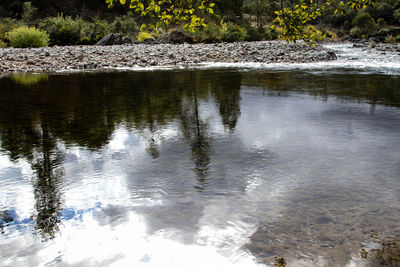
[(125, 25), (356, 32), (98, 29), (143, 35), (271, 33), (62, 30), (7, 24), (389, 39), (396, 15), (365, 22), (28, 10), (314, 33), (233, 33), (213, 32), (210, 34), (381, 22), (329, 34), (27, 37), (384, 10), (2, 44), (254, 34)]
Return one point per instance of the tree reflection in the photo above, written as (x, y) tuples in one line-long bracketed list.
[(46, 163), (195, 132), (227, 97)]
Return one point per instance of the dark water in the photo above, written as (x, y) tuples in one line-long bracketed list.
[(198, 168)]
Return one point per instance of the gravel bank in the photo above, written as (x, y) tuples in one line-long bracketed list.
[(67, 58)]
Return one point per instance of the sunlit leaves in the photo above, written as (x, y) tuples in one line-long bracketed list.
[(165, 12), (292, 20)]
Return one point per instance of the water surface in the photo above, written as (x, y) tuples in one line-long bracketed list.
[(198, 168)]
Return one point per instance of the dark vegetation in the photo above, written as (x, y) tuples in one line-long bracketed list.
[(73, 22)]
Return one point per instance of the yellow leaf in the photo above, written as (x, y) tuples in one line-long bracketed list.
[(123, 2)]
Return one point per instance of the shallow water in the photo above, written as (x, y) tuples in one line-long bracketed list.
[(198, 168)]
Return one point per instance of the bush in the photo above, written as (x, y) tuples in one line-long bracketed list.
[(143, 35), (389, 39), (62, 30), (233, 33), (254, 34), (2, 44), (396, 15), (356, 32), (27, 37), (329, 34), (28, 11), (314, 33), (210, 34), (384, 10), (125, 25), (97, 30), (7, 25), (271, 33), (381, 22), (365, 22)]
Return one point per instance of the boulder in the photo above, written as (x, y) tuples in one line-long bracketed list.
[(114, 39), (381, 35), (176, 37)]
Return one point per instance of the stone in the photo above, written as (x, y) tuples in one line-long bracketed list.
[(112, 39), (126, 40), (358, 45), (176, 37)]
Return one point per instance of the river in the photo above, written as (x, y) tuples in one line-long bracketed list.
[(221, 165)]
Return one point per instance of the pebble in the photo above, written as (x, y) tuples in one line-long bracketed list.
[(61, 58)]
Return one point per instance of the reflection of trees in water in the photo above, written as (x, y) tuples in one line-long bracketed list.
[(194, 130), (374, 89), (46, 162), (227, 97), (85, 109)]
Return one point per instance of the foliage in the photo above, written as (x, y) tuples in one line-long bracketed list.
[(27, 37), (98, 29), (271, 33), (7, 24), (356, 32), (210, 34), (254, 33), (384, 10), (381, 22), (233, 33), (292, 19), (2, 44), (229, 10), (62, 30), (318, 35), (125, 25), (365, 22), (392, 39), (396, 15), (144, 35), (166, 12), (28, 11)]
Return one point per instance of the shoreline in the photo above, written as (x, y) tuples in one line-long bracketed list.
[(106, 58)]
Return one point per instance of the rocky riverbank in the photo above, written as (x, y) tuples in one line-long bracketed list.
[(68, 58)]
